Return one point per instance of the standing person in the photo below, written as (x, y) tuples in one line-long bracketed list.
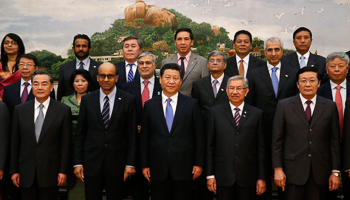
[(41, 142), (4, 149), (305, 144), (105, 140), (11, 47), (193, 67), (243, 61), (81, 48)]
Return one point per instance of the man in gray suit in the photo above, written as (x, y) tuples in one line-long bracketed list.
[(194, 67)]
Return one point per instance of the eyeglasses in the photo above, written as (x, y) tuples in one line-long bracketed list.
[(26, 64), (109, 76), (304, 82), (239, 89), (218, 60), (8, 42)]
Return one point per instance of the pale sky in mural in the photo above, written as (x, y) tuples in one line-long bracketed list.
[(52, 24)]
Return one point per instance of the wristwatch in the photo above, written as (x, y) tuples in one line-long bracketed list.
[(337, 174)]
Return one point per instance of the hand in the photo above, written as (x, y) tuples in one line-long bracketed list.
[(260, 187), (147, 173), (334, 182), (1, 174), (349, 174), (15, 179), (280, 178), (211, 184), (61, 179), (197, 171), (138, 128), (79, 173), (128, 171)]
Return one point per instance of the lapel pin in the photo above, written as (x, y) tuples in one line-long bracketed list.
[(312, 65), (245, 112), (287, 75), (120, 98), (222, 89), (94, 66), (243, 115), (158, 93)]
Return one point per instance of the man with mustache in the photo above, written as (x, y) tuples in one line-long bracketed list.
[(81, 48)]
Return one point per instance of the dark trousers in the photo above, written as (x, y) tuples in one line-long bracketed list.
[(137, 184), (200, 188), (169, 189), (35, 192), (235, 192)]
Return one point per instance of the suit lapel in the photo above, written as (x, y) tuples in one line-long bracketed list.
[(294, 61), (49, 118), (328, 91), (347, 88), (222, 89), (157, 87), (244, 116), (181, 104), (117, 102), (136, 87), (191, 64), (121, 73), (208, 86), (229, 115), (234, 68), (16, 93), (30, 120), (159, 110), (298, 108), (284, 76), (265, 76), (312, 60), (92, 68), (95, 100), (318, 110)]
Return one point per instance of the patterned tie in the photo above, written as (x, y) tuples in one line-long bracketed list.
[(214, 88), (302, 62), (39, 122), (169, 115), (81, 65), (105, 112), (145, 93), (339, 102), (237, 116), (241, 69), (183, 65), (274, 80), (308, 110), (130, 74), (24, 93)]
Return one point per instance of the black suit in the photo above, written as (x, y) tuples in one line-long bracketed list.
[(66, 70), (232, 68), (104, 153), (122, 78), (39, 163), (325, 90), (4, 136)]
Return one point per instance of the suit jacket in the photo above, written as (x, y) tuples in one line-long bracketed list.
[(300, 147), (317, 61), (66, 70), (4, 136), (348, 76), (346, 136), (196, 69), (51, 154), (12, 96), (325, 90), (236, 154), (122, 78), (134, 88), (114, 146), (232, 69), (175, 152), (202, 90)]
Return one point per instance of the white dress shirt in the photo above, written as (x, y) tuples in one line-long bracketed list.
[(127, 69), (312, 105), (245, 63), (307, 55), (278, 71), (150, 86), (218, 85), (37, 108), (86, 62), (173, 102), (29, 87), (342, 92), (111, 97)]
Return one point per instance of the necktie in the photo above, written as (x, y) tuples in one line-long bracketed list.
[(39, 122), (274, 80), (105, 112), (308, 110), (81, 65), (237, 116), (169, 116), (24, 93), (145, 93), (130, 74), (302, 62), (241, 69), (339, 102), (214, 87), (182, 66)]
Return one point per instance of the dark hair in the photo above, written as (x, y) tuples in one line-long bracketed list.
[(184, 29), (172, 66), (82, 36), (308, 69), (29, 56), (139, 42), (42, 72), (85, 74), (302, 29), (243, 32), (4, 58)]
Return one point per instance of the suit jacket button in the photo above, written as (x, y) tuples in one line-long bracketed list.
[(105, 145), (236, 157), (309, 155), (169, 138), (37, 146), (236, 145), (106, 132), (310, 129), (310, 142), (236, 133)]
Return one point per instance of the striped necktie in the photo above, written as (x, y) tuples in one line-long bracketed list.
[(105, 112)]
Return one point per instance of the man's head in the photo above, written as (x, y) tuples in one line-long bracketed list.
[(27, 64), (42, 85), (183, 41), (107, 77), (216, 62), (132, 47), (302, 39), (81, 46), (147, 63), (273, 47), (308, 81), (237, 89), (170, 79), (337, 66), (242, 43)]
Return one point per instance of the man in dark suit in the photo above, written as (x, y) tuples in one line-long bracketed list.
[(337, 89), (302, 39), (173, 141), (243, 61), (143, 88), (267, 85), (127, 70), (193, 66), (81, 48), (41, 142), (4, 139), (105, 141)]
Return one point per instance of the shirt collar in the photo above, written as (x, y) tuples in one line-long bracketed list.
[(126, 63), (305, 55), (110, 95), (187, 57), (240, 106), (151, 80), (85, 61), (269, 66), (173, 98), (245, 59), (45, 103), (22, 81), (220, 79), (303, 100), (333, 85)]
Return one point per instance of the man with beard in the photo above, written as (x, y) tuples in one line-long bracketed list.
[(81, 48)]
